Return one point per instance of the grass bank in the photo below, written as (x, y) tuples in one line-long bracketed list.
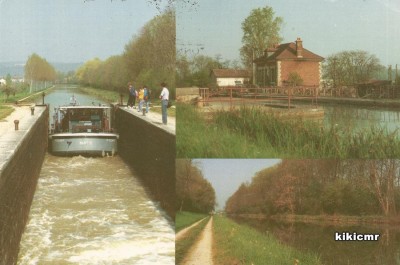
[(183, 245), (241, 244), (252, 132), (185, 219), (5, 111), (201, 138)]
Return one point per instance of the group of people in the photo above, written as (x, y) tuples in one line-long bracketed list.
[(143, 96)]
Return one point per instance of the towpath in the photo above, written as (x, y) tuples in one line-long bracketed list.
[(183, 232), (155, 118), (201, 252), (11, 138)]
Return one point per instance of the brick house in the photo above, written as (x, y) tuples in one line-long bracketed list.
[(274, 67), (230, 77)]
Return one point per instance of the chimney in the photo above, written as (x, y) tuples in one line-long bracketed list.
[(299, 48)]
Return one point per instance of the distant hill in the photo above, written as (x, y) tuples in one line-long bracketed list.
[(17, 68)]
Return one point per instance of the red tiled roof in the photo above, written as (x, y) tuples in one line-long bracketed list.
[(230, 73), (287, 51)]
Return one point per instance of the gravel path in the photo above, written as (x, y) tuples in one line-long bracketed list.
[(201, 252), (183, 232)]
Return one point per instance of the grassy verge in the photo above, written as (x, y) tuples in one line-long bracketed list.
[(251, 132), (106, 95), (5, 111), (199, 138), (183, 245), (185, 219), (240, 244), (114, 96)]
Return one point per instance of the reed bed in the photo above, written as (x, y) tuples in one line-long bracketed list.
[(252, 132)]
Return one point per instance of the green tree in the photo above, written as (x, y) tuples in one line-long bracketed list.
[(38, 69), (295, 79), (260, 31), (351, 67), (151, 55), (193, 191)]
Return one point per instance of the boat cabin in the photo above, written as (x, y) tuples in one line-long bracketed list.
[(82, 119)]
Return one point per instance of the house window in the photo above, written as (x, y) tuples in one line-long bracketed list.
[(273, 77)]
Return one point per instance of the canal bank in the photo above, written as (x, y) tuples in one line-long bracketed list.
[(382, 103), (148, 147), (21, 155)]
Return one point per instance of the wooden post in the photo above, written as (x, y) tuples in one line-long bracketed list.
[(231, 96)]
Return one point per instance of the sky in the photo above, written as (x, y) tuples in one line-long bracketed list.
[(325, 26), (70, 31), (226, 175)]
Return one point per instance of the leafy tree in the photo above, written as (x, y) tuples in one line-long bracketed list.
[(38, 69), (150, 56), (260, 31), (196, 71), (148, 59), (193, 191), (295, 79), (352, 187), (351, 67)]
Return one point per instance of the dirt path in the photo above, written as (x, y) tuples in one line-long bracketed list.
[(183, 232), (201, 252)]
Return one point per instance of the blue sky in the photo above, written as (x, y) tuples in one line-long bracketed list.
[(69, 30), (226, 175), (326, 26)]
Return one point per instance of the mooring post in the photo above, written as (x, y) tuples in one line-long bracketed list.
[(121, 97), (43, 94), (32, 110), (16, 122)]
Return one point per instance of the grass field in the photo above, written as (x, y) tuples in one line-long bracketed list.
[(241, 244), (185, 219), (253, 133), (183, 245)]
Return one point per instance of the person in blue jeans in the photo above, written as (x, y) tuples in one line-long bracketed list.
[(147, 93), (164, 96)]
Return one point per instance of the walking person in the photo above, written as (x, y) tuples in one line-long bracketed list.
[(132, 96), (164, 96), (141, 99), (147, 94)]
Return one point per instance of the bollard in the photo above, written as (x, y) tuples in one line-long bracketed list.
[(121, 102), (43, 94), (16, 122), (32, 110)]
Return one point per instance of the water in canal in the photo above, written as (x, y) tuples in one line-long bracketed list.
[(320, 239), (355, 118), (94, 211)]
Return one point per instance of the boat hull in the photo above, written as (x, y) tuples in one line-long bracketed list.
[(96, 144)]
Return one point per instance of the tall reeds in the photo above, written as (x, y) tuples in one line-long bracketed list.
[(253, 132)]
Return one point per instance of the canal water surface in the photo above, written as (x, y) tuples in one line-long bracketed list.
[(320, 239), (94, 211)]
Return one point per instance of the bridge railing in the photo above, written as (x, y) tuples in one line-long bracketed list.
[(243, 95)]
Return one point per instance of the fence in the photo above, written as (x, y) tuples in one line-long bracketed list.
[(240, 95)]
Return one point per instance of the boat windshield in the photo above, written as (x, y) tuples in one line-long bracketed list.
[(78, 120)]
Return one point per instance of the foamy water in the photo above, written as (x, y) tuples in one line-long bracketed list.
[(94, 211)]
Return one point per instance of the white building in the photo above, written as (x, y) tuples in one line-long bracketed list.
[(230, 77)]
